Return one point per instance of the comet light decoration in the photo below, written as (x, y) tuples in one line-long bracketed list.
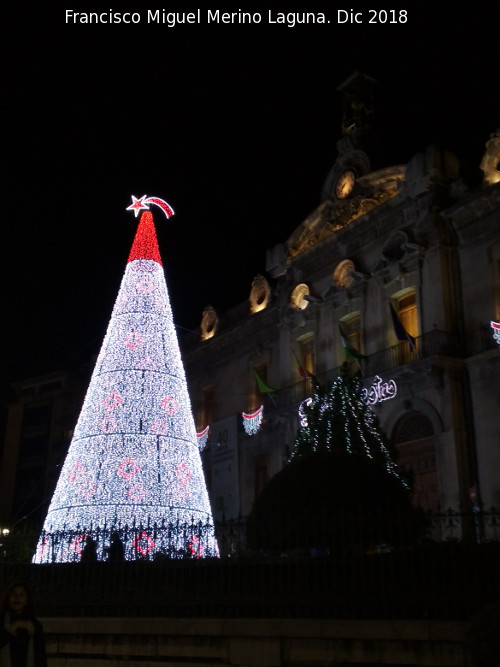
[(134, 462), (142, 204)]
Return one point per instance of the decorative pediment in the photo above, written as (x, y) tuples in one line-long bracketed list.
[(333, 214)]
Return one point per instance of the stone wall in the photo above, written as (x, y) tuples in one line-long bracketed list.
[(162, 642)]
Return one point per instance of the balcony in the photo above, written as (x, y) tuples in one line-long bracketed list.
[(427, 345)]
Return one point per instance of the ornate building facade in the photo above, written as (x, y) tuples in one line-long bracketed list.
[(403, 263)]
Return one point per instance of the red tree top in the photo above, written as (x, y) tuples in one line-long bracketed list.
[(145, 245)]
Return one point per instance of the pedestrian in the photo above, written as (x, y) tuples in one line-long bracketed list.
[(115, 551), (89, 551), (22, 643)]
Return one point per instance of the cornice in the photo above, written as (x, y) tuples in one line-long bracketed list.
[(332, 215), (247, 331), (476, 206)]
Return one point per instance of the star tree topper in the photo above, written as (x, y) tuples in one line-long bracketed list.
[(142, 204)]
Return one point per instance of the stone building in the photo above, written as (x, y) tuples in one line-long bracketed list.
[(413, 238), (40, 419), (410, 237)]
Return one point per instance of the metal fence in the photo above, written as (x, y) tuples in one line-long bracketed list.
[(447, 579), (186, 540), (172, 540)]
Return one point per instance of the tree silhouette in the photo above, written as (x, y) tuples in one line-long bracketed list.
[(341, 489)]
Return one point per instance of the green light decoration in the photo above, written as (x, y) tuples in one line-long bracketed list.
[(337, 419)]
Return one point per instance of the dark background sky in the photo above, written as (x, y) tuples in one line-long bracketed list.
[(235, 126)]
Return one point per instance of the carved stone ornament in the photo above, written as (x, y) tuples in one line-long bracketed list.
[(259, 294), (490, 164), (342, 276), (297, 299), (209, 323)]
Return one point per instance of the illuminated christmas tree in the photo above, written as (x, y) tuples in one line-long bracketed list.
[(134, 465)]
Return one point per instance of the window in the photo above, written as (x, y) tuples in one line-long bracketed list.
[(351, 328), (306, 354), (406, 308)]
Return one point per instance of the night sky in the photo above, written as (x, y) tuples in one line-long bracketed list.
[(234, 125)]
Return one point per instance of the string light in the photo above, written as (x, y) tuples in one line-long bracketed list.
[(134, 458), (379, 391), (496, 331), (252, 422), (340, 420), (203, 438)]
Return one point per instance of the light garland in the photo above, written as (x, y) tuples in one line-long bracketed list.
[(134, 458), (496, 331), (340, 420), (252, 422), (203, 438), (302, 412)]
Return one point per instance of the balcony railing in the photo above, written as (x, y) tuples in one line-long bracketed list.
[(426, 345)]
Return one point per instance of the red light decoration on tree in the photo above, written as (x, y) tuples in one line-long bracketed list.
[(134, 459), (143, 543)]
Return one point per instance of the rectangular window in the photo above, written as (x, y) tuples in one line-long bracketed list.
[(303, 364), (407, 313), (351, 326), (405, 305), (307, 353)]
